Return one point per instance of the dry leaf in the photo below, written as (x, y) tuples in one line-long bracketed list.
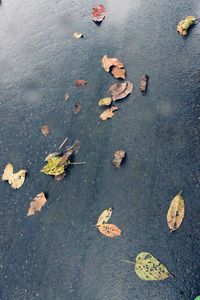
[(105, 101), (110, 230), (104, 217), (37, 203), (45, 130), (77, 35), (144, 83), (80, 82), (148, 267), (118, 73), (120, 90), (176, 212), (118, 158), (77, 108), (184, 25), (16, 180), (108, 113), (66, 97), (108, 62), (98, 13)]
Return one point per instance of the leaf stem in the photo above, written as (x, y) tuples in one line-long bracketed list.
[(128, 261), (63, 143), (78, 163)]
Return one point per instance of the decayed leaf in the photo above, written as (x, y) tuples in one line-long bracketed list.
[(148, 267), (105, 101), (66, 97), (176, 212), (104, 217), (77, 108), (110, 230), (118, 158), (144, 83), (108, 62), (121, 90), (16, 180), (118, 73), (77, 35), (98, 13), (184, 25), (108, 113), (37, 203), (80, 82), (45, 130)]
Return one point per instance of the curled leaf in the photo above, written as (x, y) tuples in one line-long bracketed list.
[(80, 82), (108, 113), (148, 267), (37, 203), (121, 90), (144, 83), (108, 62), (16, 180), (105, 101), (109, 230), (118, 73), (118, 158), (45, 130), (77, 35), (104, 217), (176, 212), (98, 13), (184, 25)]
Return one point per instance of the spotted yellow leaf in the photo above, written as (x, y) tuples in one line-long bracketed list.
[(104, 217)]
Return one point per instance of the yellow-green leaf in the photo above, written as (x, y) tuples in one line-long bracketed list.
[(176, 212), (104, 217), (53, 166), (184, 25), (105, 101), (148, 267)]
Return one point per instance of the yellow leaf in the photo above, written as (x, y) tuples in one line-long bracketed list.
[(53, 166), (37, 203), (176, 212), (16, 180), (105, 101), (109, 230), (184, 25), (104, 217), (148, 267)]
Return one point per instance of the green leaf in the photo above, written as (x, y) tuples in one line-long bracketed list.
[(148, 267), (53, 166), (197, 298)]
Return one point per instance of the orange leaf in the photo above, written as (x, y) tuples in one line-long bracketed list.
[(37, 203), (108, 113), (110, 230), (108, 62), (45, 130), (80, 82), (98, 13), (118, 73)]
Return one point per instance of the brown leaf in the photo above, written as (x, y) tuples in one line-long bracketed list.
[(108, 113), (176, 212), (110, 230), (77, 108), (118, 73), (118, 158), (80, 82), (144, 83), (120, 90), (108, 62), (77, 35), (45, 130), (66, 97), (98, 13), (37, 203)]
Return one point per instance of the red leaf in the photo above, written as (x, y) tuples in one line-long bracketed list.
[(98, 13), (80, 82)]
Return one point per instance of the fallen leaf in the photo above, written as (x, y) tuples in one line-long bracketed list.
[(80, 82), (98, 13), (184, 25), (108, 113), (108, 62), (104, 217), (176, 212), (118, 158), (118, 73), (110, 230), (66, 97), (37, 203), (16, 180), (148, 267), (77, 35), (120, 90), (105, 101), (45, 130), (144, 83), (77, 108)]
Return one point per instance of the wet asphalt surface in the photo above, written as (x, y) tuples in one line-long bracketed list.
[(57, 254)]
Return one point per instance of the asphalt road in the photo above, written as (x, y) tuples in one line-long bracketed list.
[(57, 254)]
